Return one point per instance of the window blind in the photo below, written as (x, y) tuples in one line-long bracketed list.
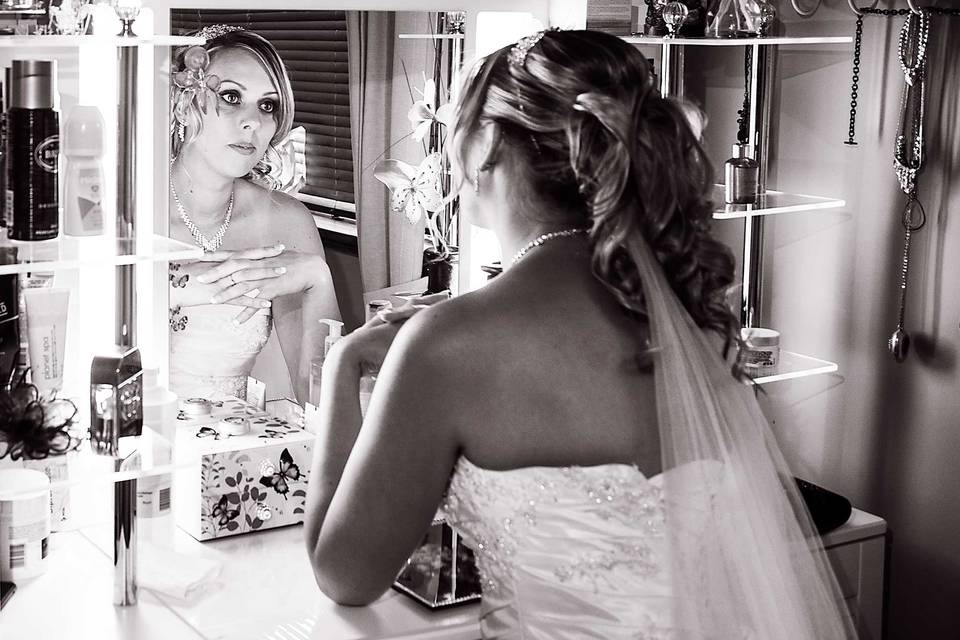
[(313, 46)]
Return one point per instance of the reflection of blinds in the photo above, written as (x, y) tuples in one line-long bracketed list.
[(313, 45)]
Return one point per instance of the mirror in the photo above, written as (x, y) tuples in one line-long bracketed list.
[(355, 78)]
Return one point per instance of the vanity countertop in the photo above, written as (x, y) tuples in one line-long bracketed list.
[(265, 591)]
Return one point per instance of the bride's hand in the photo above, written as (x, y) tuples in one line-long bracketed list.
[(370, 343), (261, 274)]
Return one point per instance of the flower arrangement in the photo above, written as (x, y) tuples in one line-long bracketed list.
[(425, 190)]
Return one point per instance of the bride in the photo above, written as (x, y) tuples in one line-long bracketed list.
[(582, 419), (264, 263)]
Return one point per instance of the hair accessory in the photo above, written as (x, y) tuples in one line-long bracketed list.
[(213, 31), (518, 54), (194, 83)]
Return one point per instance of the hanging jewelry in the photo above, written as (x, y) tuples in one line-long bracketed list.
[(476, 180), (908, 156), (546, 237), (213, 244), (181, 131)]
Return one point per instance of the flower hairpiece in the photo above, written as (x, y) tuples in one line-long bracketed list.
[(194, 82), (213, 31), (518, 54)]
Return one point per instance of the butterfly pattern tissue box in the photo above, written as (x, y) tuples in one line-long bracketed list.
[(241, 483)]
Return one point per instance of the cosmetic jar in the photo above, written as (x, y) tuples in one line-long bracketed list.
[(24, 523), (762, 348), (195, 407), (234, 426)]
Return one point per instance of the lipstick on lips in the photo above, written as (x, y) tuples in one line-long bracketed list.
[(243, 148)]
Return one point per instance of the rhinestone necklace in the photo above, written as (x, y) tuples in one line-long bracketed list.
[(546, 237), (208, 246)]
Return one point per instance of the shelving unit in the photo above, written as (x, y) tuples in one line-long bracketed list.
[(147, 454), (763, 61)]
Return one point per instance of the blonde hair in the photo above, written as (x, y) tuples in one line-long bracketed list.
[(265, 52)]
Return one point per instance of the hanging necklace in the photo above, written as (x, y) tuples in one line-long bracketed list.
[(213, 244), (546, 237), (908, 157)]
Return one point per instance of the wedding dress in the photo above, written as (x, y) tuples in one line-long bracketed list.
[(209, 355), (719, 546)]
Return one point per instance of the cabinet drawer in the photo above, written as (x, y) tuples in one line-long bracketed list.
[(845, 560)]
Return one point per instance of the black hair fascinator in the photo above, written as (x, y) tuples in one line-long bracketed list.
[(27, 427)]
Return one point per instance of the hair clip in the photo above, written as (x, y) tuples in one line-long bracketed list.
[(518, 54), (194, 82), (213, 31)]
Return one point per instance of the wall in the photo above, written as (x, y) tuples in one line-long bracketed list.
[(882, 433)]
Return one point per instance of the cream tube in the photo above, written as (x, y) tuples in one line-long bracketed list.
[(46, 336)]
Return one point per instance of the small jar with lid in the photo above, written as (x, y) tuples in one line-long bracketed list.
[(761, 349)]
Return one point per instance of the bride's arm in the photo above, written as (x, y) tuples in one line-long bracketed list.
[(297, 315)]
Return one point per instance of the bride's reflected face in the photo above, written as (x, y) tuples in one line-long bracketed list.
[(235, 136)]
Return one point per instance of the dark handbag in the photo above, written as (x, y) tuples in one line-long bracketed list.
[(828, 510)]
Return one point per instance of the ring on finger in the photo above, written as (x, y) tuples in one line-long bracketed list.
[(253, 293)]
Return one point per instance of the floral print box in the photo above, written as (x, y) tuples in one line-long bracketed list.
[(241, 483)]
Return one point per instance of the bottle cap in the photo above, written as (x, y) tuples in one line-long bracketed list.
[(759, 337), (83, 132), (32, 84), (742, 150)]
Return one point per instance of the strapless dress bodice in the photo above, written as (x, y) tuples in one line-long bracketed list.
[(565, 552), (209, 354)]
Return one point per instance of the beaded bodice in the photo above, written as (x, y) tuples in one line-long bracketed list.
[(565, 552), (209, 355)]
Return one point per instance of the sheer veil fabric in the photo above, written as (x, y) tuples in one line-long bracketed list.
[(745, 559)]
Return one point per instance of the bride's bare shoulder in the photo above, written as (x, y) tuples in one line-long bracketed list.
[(276, 213)]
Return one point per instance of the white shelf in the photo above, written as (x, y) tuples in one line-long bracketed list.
[(22, 12), (795, 365), (431, 36), (772, 203), (68, 252), (344, 227), (63, 42), (738, 42)]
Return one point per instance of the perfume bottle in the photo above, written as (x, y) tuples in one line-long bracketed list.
[(741, 174), (736, 19)]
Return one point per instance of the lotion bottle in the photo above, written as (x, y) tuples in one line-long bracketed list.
[(83, 183), (316, 365)]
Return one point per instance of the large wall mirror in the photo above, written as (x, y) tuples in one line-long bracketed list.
[(367, 86)]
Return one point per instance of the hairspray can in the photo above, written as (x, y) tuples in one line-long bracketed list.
[(34, 132)]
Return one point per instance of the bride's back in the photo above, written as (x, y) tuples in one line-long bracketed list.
[(554, 367)]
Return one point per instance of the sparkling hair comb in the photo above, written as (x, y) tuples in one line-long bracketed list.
[(213, 31), (518, 54)]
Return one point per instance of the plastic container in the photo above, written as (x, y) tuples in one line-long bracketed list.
[(316, 365), (83, 183), (24, 523), (160, 407), (762, 348)]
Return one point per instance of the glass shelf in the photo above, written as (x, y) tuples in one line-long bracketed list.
[(430, 36), (22, 12), (69, 252), (738, 42), (772, 203), (61, 42), (795, 365), (140, 456)]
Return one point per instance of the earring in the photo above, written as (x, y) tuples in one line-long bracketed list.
[(181, 131), (476, 180)]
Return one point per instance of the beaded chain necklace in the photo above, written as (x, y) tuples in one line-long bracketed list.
[(539, 240), (208, 245)]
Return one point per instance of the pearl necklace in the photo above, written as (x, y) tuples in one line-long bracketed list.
[(546, 237), (208, 246)]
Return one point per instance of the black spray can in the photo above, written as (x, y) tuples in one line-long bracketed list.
[(33, 131)]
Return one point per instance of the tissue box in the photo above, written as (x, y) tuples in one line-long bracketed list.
[(442, 572), (240, 483)]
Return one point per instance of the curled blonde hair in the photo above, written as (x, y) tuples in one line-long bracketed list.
[(589, 138)]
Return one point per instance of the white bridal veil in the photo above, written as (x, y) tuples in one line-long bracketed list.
[(745, 557)]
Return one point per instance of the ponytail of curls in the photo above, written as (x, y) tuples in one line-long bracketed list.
[(610, 153)]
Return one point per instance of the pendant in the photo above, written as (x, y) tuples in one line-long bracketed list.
[(899, 342)]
